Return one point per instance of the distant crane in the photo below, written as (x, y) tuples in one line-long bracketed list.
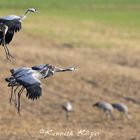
[(122, 108), (67, 106), (29, 79), (105, 107), (8, 26)]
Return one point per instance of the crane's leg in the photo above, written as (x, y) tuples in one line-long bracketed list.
[(11, 95), (127, 115), (111, 114), (7, 52), (5, 29), (15, 95), (19, 94), (67, 115)]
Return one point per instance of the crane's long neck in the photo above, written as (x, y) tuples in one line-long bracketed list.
[(25, 14)]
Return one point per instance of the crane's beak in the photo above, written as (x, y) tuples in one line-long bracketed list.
[(64, 69), (37, 11), (94, 105)]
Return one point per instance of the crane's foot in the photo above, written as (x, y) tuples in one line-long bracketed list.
[(16, 105), (18, 110), (10, 102), (9, 57)]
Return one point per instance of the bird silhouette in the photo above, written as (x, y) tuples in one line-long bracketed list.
[(122, 108), (67, 106), (8, 26), (30, 79), (107, 108)]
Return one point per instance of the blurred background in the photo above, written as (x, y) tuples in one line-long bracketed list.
[(99, 37)]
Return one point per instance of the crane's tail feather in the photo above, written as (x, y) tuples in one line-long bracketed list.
[(33, 92)]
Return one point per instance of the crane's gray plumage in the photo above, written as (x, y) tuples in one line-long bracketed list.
[(121, 108), (105, 107), (40, 66), (8, 26), (30, 79), (67, 106)]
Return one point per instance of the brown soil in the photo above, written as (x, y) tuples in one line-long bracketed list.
[(108, 74)]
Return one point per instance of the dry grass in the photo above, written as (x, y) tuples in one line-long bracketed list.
[(109, 74)]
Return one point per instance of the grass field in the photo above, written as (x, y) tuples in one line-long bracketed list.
[(99, 37), (82, 16)]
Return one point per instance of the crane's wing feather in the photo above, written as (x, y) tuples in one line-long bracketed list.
[(1, 37), (39, 67), (32, 86), (20, 71), (11, 17), (8, 37), (27, 80), (34, 91), (13, 26), (11, 81)]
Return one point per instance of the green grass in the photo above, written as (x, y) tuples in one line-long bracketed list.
[(70, 21), (119, 12), (108, 11), (55, 4)]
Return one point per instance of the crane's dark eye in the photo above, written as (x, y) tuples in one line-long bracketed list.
[(50, 66), (51, 72)]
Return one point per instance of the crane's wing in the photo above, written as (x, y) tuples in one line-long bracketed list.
[(11, 17), (13, 26), (31, 84), (11, 81), (20, 71), (27, 80), (34, 91), (39, 67), (8, 37)]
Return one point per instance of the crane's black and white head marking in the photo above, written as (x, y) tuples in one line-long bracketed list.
[(33, 10), (45, 69), (96, 104), (50, 70), (51, 67)]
